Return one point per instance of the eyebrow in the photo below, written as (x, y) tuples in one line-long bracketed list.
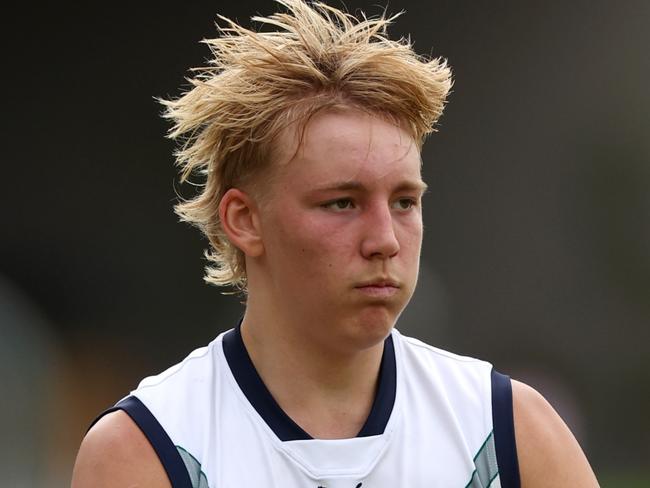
[(408, 185)]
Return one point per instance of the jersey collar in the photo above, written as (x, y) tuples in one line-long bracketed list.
[(283, 426)]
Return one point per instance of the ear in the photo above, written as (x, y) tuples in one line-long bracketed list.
[(240, 221)]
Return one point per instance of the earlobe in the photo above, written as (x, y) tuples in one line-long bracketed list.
[(240, 221)]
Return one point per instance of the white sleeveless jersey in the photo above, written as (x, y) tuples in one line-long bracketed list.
[(438, 420)]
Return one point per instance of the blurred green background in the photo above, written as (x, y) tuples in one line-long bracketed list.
[(537, 240)]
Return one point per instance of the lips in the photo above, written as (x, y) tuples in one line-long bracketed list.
[(381, 288), (381, 282)]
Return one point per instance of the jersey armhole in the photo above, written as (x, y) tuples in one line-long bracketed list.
[(169, 456), (504, 430)]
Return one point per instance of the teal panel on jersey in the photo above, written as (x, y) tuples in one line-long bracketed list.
[(486, 472), (193, 469)]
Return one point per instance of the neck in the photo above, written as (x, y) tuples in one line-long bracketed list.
[(330, 392)]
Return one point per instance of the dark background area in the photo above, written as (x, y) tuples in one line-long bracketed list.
[(537, 223)]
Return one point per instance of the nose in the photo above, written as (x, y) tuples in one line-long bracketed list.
[(379, 239)]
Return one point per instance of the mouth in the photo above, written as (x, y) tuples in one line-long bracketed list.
[(381, 288)]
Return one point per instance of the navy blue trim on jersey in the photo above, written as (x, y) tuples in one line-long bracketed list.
[(385, 397), (282, 425), (504, 431), (165, 449), (255, 390)]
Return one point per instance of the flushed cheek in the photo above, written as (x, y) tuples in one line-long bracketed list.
[(321, 233), (327, 256), (313, 246)]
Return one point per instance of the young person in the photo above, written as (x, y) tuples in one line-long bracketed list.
[(309, 138)]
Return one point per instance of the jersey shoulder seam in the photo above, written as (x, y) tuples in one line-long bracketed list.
[(440, 352), (179, 366)]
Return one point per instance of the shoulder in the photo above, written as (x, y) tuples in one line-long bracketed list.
[(198, 363), (115, 453), (456, 386), (446, 371), (426, 352), (181, 389), (548, 453)]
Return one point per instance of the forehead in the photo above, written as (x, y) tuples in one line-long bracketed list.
[(347, 145)]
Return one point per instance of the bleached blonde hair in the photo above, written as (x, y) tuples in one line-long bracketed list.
[(310, 57)]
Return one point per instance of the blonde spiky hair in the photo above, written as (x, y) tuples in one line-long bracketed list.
[(258, 83)]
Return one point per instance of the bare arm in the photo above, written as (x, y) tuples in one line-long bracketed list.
[(116, 454), (548, 453)]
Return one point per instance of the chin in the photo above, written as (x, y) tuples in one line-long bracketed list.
[(372, 327)]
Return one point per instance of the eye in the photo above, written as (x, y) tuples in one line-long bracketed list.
[(339, 204), (405, 203)]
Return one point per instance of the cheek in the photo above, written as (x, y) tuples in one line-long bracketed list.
[(411, 237), (324, 245), (309, 244), (308, 228)]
